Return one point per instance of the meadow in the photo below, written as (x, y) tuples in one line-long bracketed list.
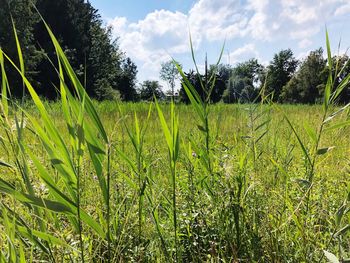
[(84, 181)]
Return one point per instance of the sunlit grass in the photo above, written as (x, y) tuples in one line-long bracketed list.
[(87, 181)]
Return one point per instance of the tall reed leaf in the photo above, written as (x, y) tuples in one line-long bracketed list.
[(77, 85), (4, 87)]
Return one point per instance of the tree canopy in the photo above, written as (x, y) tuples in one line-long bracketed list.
[(287, 79), (150, 89), (242, 85), (307, 84), (170, 74), (280, 70), (97, 59)]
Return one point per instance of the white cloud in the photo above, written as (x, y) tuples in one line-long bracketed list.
[(152, 40), (304, 43), (246, 52), (162, 33), (118, 25), (342, 10), (257, 26), (304, 33), (295, 19), (258, 5), (298, 11), (217, 20)]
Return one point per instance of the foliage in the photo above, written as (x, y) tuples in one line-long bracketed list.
[(127, 80), (102, 64), (97, 60), (170, 74), (244, 82), (24, 18), (305, 85), (342, 63), (195, 79), (221, 182), (280, 70), (81, 181), (151, 89)]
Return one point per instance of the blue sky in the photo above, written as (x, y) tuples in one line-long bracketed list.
[(153, 31)]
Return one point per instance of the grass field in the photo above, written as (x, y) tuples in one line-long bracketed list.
[(82, 181), (257, 203)]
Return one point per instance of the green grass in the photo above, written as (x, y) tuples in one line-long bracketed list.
[(82, 181), (269, 209)]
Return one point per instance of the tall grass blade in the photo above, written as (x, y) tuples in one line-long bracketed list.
[(303, 147), (90, 109), (4, 87), (20, 54), (329, 57), (166, 131)]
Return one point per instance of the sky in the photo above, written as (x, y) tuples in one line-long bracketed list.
[(151, 32)]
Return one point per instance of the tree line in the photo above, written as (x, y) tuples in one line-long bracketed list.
[(107, 73), (285, 79), (99, 62)]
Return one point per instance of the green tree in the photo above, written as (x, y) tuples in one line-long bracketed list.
[(24, 18), (222, 75), (127, 80), (89, 46), (72, 30), (170, 74), (149, 89), (244, 82), (224, 71), (195, 79), (279, 72), (240, 89), (343, 70), (95, 57), (104, 60), (307, 84)]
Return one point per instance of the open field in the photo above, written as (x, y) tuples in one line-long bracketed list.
[(82, 181), (255, 203)]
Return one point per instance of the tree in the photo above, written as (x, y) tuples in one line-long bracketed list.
[(127, 80), (224, 71), (90, 49), (150, 89), (73, 31), (307, 84), (240, 90), (98, 61), (104, 63), (279, 72), (343, 63), (170, 74), (195, 79), (24, 17), (222, 75), (244, 82)]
